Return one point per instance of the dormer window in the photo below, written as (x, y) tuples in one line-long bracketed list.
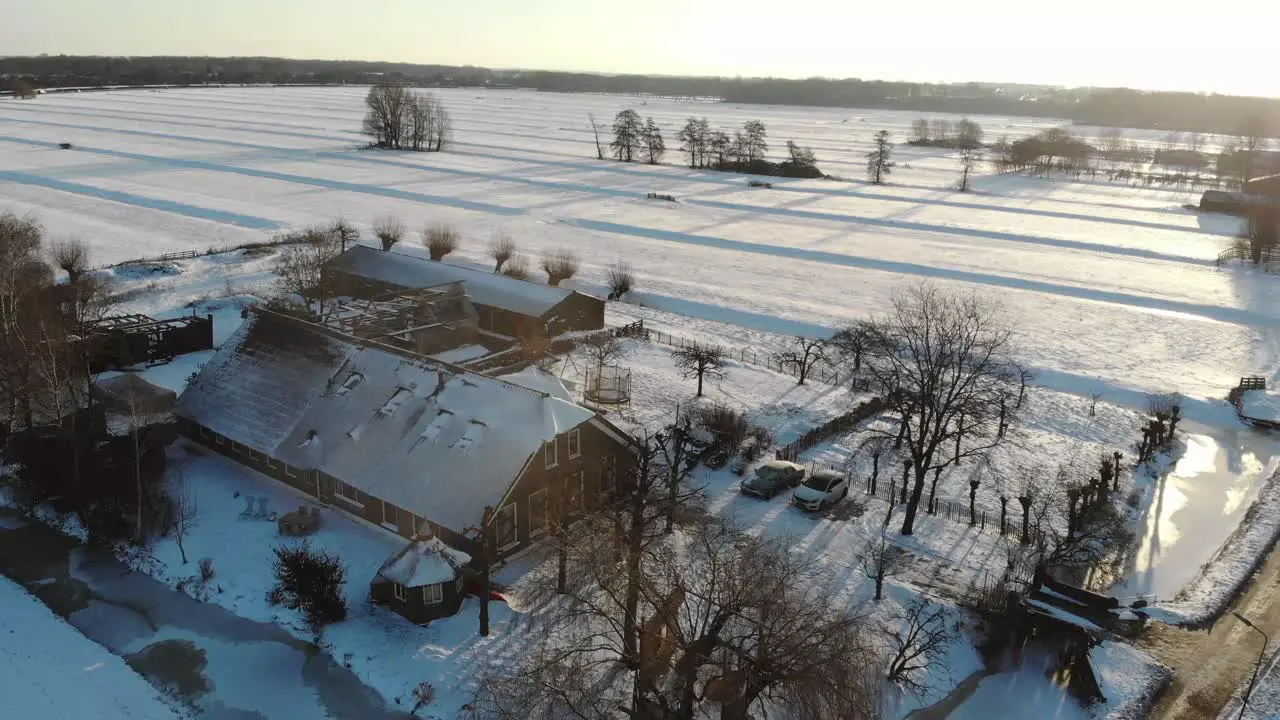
[(472, 435), (401, 395), (436, 426), (352, 381)]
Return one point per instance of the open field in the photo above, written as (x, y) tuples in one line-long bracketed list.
[(1112, 288)]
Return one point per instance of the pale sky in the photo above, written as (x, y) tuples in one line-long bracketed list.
[(1225, 46)]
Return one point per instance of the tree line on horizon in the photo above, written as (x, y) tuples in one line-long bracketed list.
[(1119, 107)]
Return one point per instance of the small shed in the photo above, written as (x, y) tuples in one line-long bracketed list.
[(423, 581)]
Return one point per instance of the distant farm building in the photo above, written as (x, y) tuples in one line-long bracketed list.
[(505, 306), (418, 446)]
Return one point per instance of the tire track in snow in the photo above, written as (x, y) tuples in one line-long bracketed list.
[(188, 164), (1208, 312), (143, 201)]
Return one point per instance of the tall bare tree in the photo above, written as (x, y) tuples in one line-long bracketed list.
[(595, 130), (384, 119), (700, 361), (880, 159), (881, 559), (940, 361), (627, 135), (185, 511), (300, 268), (919, 637), (755, 141), (652, 146), (693, 139), (969, 160)]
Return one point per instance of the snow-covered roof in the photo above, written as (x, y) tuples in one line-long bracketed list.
[(462, 354), (428, 437), (535, 378), (1260, 405), (424, 562), (484, 288)]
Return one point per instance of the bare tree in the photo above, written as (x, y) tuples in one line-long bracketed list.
[(1252, 139), (920, 131), (918, 639), (384, 119), (560, 266), (595, 130), (693, 139), (300, 268), (881, 560), (620, 280), (969, 160), (419, 121), (442, 126), (517, 267), (700, 361), (627, 135), (968, 134), (880, 159), (652, 146), (345, 233), (755, 144), (502, 249), (802, 355), (851, 345), (185, 511), (602, 349), (71, 255), (939, 361), (389, 231), (801, 157), (440, 240)]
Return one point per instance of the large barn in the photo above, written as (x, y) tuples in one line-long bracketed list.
[(506, 306), (417, 446)]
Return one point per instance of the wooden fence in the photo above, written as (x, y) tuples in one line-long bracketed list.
[(825, 373)]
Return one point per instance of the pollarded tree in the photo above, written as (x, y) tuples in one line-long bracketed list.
[(940, 361), (389, 231), (559, 266), (440, 240), (501, 250), (70, 255), (693, 139), (627, 132), (700, 361), (880, 159), (620, 279), (652, 146)]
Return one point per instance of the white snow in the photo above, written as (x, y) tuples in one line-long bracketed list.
[(425, 562), (1260, 405), (462, 354), (49, 670)]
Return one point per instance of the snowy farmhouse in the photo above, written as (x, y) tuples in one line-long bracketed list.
[(506, 306), (418, 446)]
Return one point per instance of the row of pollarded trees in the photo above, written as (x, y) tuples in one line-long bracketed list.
[(57, 449), (653, 611), (400, 118), (305, 253)]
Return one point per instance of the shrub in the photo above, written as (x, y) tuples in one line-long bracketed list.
[(310, 581), (517, 267), (206, 569), (725, 428)]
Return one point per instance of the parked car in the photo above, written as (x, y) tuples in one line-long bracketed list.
[(772, 478), (823, 489)]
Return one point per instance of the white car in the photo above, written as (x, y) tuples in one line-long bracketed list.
[(821, 490)]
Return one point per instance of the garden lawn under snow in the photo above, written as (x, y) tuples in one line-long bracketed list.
[(48, 670)]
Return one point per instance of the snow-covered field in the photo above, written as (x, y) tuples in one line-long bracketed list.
[(49, 670), (1112, 288)]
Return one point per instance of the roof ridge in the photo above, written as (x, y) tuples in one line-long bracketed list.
[(478, 271)]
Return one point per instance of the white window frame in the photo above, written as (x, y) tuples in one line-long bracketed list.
[(575, 444), (220, 439), (271, 462), (339, 486), (289, 471), (438, 593), (394, 521), (515, 527), (534, 497), (550, 458), (399, 592)]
